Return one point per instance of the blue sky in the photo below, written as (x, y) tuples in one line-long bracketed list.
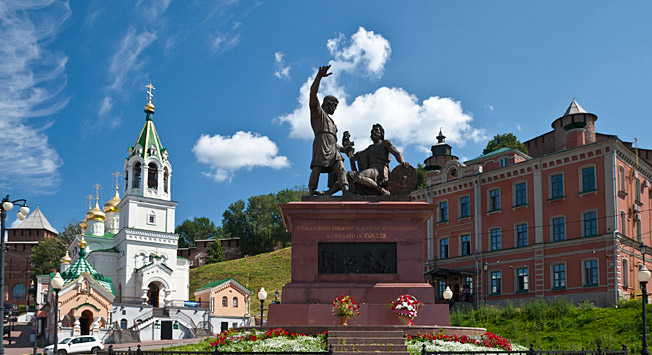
[(231, 82)]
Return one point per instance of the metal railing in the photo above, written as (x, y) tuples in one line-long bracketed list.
[(530, 351), (139, 351)]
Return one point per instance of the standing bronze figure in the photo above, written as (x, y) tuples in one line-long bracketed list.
[(326, 157)]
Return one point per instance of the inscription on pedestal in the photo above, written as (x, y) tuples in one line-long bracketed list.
[(357, 258)]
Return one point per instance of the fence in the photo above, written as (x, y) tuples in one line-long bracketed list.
[(530, 351), (138, 351)]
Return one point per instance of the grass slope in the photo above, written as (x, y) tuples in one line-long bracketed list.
[(269, 270), (560, 325)]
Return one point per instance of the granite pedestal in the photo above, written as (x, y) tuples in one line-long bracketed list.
[(373, 251)]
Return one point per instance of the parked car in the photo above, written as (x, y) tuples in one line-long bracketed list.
[(75, 345)]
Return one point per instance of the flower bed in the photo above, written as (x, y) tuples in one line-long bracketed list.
[(236, 340), (271, 340), (443, 342)]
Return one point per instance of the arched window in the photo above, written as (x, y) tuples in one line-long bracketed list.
[(126, 179), (152, 176), (136, 179), (18, 292), (235, 302), (123, 324), (225, 301), (166, 179)]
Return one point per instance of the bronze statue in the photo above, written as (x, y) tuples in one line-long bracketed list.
[(372, 174), (326, 157)]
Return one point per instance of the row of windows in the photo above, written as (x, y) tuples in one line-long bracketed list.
[(623, 184), (558, 277), (589, 229), (520, 194)]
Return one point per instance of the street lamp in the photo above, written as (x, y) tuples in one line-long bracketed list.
[(262, 295), (448, 294), (276, 296), (6, 206), (57, 284), (485, 266), (643, 278)]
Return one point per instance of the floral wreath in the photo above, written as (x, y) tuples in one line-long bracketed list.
[(406, 306)]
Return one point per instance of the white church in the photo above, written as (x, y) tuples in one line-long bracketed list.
[(122, 276)]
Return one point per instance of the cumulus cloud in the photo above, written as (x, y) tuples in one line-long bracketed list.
[(32, 78), (281, 70), (407, 120), (244, 150)]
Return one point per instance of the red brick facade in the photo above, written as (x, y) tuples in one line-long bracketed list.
[(566, 220)]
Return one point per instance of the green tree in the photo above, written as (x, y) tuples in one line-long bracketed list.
[(46, 256), (421, 177), (507, 140), (70, 231), (215, 252), (198, 229), (258, 222)]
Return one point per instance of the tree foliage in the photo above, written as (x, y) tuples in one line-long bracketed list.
[(258, 222), (506, 140), (70, 231), (215, 252), (198, 229), (421, 177), (46, 256)]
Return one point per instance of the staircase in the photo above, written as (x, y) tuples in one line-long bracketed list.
[(367, 342)]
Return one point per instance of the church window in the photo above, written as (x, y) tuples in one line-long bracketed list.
[(136, 179), (123, 324), (151, 218), (235, 302), (152, 176), (225, 301), (166, 180)]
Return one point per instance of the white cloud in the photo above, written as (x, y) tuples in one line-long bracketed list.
[(407, 121), (126, 63), (281, 70), (223, 42), (244, 150), (365, 50), (153, 8), (32, 78)]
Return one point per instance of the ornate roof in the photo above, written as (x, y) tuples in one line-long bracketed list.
[(82, 266), (148, 143)]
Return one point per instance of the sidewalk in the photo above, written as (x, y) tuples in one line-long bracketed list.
[(20, 344)]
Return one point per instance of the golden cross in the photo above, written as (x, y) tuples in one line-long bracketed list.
[(97, 191), (149, 92), (89, 198), (117, 176)]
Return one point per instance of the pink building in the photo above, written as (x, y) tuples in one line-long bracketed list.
[(567, 219)]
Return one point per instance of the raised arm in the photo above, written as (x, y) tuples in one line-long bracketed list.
[(321, 73)]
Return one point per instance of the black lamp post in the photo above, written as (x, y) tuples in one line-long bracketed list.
[(262, 295), (276, 297), (485, 266), (57, 284), (643, 278), (6, 206)]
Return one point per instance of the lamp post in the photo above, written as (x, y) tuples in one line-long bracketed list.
[(262, 295), (643, 278), (448, 294), (6, 206), (485, 266), (276, 296), (57, 284)]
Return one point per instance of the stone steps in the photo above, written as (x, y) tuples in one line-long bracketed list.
[(367, 342)]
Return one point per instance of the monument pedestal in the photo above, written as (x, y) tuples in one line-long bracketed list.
[(372, 251)]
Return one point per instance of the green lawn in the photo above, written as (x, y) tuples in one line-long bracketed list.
[(269, 270), (560, 325)]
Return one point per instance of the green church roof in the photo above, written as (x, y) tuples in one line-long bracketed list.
[(81, 266), (148, 138)]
